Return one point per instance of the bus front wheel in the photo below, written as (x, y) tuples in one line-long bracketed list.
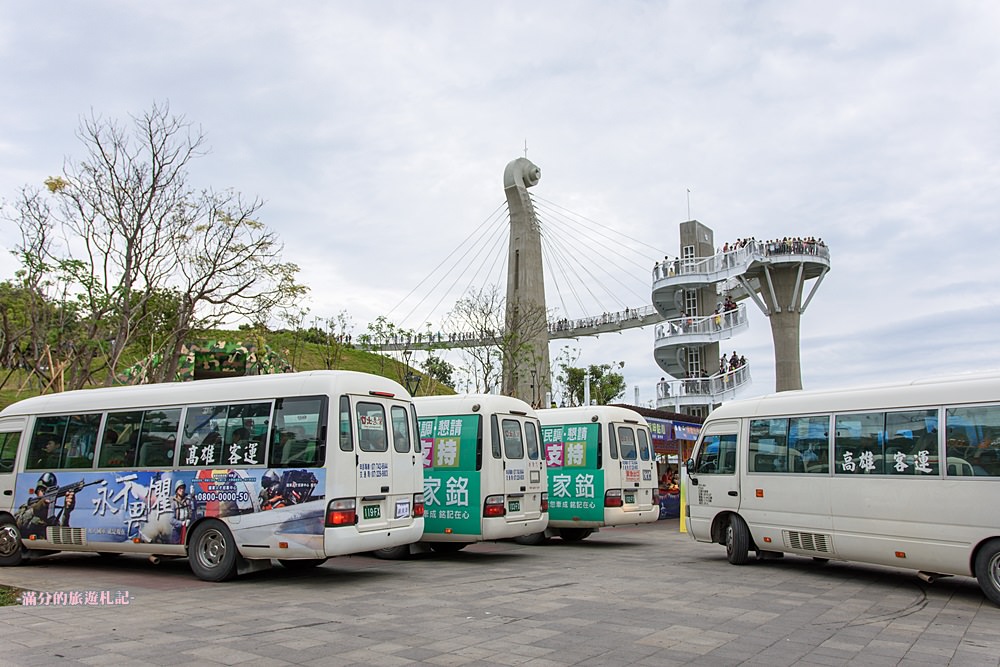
[(737, 541), (212, 552), (11, 547), (988, 570)]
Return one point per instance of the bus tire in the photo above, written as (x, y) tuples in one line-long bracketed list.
[(447, 547), (393, 553), (737, 541), (212, 552), (533, 540), (11, 547), (988, 570), (300, 564), (574, 534)]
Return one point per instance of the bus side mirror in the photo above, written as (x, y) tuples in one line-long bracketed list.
[(688, 467)]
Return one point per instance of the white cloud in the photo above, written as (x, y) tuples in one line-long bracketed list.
[(378, 135)]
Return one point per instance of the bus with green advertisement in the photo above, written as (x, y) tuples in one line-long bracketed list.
[(484, 472), (602, 471)]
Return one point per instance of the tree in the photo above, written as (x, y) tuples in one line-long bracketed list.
[(493, 342), (144, 253), (439, 370), (605, 384)]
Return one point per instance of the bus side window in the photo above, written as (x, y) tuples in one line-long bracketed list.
[(612, 442), (531, 437), (8, 450), (717, 455), (46, 443), (983, 451), (495, 437), (300, 432), (346, 441)]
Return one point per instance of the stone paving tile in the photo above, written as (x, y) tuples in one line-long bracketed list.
[(504, 604)]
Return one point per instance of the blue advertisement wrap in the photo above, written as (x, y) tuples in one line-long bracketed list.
[(158, 507)]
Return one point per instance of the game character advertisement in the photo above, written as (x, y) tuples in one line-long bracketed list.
[(158, 507)]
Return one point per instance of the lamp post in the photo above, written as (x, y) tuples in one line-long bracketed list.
[(411, 380), (534, 402)]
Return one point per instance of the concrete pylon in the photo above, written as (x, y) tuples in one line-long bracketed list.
[(526, 337), (784, 315)]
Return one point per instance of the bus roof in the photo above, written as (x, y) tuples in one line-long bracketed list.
[(953, 389), (433, 406), (206, 391), (589, 413)]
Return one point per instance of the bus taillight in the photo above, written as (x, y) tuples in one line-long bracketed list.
[(418, 505), (545, 501), (341, 512), (613, 498), (494, 506)]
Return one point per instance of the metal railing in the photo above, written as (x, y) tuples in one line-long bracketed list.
[(740, 257), (716, 385), (714, 324)]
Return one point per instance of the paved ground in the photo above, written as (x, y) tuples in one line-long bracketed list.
[(635, 596)]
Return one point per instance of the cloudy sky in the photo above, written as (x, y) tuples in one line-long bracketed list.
[(377, 134)]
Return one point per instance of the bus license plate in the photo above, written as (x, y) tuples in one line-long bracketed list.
[(402, 509), (371, 511), (630, 499), (515, 506)]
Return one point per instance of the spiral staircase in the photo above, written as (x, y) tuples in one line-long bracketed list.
[(686, 293)]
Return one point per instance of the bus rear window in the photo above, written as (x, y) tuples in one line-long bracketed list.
[(513, 444), (626, 443), (371, 427)]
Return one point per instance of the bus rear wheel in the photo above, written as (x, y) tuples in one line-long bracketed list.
[(212, 552), (988, 570), (737, 541), (11, 547), (393, 553), (574, 534), (533, 540), (299, 564)]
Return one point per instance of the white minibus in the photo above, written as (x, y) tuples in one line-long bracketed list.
[(905, 475), (602, 470), (484, 472), (229, 473)]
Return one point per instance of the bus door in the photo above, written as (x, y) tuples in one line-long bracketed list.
[(10, 437), (515, 467), (714, 482), (637, 479), (375, 465)]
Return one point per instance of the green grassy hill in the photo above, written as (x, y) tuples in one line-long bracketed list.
[(301, 354)]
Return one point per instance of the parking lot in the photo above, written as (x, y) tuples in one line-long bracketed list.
[(644, 595)]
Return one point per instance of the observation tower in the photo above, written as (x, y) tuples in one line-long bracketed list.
[(702, 296)]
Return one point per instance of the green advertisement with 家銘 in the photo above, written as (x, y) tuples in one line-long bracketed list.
[(576, 483), (452, 502)]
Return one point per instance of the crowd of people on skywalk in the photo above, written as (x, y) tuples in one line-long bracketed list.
[(789, 245)]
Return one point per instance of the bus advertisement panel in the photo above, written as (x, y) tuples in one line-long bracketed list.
[(451, 481), (576, 484), (158, 507)]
